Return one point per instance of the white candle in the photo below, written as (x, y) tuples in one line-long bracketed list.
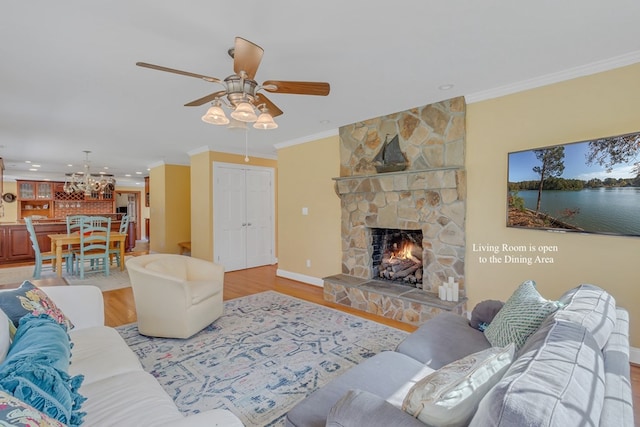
[(449, 294), (455, 291), (450, 280), (442, 293)]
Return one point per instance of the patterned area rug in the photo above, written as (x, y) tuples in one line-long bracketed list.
[(263, 356)]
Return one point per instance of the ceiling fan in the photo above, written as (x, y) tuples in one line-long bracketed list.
[(241, 92)]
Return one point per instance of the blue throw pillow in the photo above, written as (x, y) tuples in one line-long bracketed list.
[(36, 370), (30, 299)]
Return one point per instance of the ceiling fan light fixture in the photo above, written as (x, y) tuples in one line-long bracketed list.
[(215, 116), (265, 121), (244, 113)]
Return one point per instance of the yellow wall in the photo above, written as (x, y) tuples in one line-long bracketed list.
[(10, 209), (600, 105), (305, 173), (202, 196), (170, 207)]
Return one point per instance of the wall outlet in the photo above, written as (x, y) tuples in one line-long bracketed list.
[(308, 263), (305, 211)]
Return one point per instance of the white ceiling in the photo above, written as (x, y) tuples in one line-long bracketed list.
[(68, 80)]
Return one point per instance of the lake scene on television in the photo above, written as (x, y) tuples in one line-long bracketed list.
[(585, 187)]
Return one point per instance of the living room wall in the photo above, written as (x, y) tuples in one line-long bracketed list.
[(584, 108), (169, 201), (305, 180), (202, 195)]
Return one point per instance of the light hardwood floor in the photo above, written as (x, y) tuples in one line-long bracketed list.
[(120, 307)]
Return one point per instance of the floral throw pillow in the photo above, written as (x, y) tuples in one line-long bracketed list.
[(14, 412), (26, 299)]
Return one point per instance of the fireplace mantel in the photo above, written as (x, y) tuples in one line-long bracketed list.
[(405, 172), (432, 179)]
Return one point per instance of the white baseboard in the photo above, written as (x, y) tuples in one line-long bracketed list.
[(634, 355), (300, 277)]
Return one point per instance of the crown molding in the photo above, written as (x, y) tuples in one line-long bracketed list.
[(199, 150), (571, 73), (156, 164), (305, 139)]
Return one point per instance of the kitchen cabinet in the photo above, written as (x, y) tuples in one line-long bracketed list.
[(35, 199), (15, 244), (34, 190), (47, 199)]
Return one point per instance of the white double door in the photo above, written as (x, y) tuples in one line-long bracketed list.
[(243, 216)]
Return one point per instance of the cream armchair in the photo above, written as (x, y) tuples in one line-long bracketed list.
[(175, 295)]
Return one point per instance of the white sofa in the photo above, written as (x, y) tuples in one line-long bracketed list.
[(118, 391), (176, 296)]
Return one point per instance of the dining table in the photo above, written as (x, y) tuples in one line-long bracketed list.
[(58, 241)]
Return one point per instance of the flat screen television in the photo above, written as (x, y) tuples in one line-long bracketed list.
[(584, 187)]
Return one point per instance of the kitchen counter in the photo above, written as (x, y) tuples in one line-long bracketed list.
[(15, 245)]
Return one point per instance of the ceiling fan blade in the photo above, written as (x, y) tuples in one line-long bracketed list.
[(246, 57), (184, 73), (300, 88), (273, 109), (206, 99)]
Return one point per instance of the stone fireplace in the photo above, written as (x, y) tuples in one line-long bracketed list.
[(426, 199)]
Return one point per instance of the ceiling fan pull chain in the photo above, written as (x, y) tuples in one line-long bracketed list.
[(246, 145)]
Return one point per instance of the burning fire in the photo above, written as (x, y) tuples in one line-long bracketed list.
[(406, 252)]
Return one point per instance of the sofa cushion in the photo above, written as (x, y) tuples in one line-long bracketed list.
[(35, 370), (129, 399), (443, 339), (558, 380), (450, 395), (618, 395), (360, 408), (591, 307), (521, 315), (29, 299), (100, 352), (14, 412), (388, 374)]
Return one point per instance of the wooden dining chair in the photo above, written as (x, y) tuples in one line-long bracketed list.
[(114, 252), (73, 223), (41, 257), (94, 245), (73, 226)]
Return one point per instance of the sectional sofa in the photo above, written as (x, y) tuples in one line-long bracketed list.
[(571, 369)]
